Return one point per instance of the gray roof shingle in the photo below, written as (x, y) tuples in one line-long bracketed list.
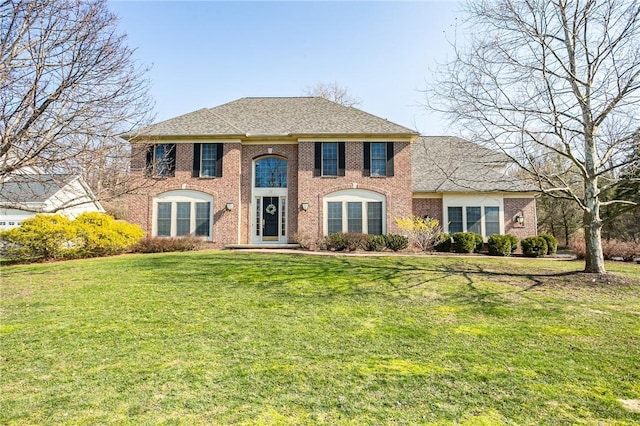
[(452, 164), (33, 188), (275, 117)]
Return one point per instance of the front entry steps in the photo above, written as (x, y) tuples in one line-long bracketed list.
[(261, 246)]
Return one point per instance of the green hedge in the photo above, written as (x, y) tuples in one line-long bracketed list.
[(466, 242), (552, 243), (499, 245), (534, 246)]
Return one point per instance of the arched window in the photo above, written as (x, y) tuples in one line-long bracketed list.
[(355, 210), (271, 172), (183, 212)]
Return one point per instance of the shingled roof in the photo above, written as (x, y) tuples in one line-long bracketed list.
[(248, 117), (451, 164), (33, 188)]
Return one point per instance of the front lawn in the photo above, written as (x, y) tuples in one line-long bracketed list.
[(250, 338)]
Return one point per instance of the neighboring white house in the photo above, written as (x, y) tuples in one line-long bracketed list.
[(24, 195)]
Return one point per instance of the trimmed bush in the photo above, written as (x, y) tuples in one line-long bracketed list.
[(396, 242), (376, 243), (514, 242), (43, 236), (499, 245), (466, 242), (101, 235), (534, 246), (163, 244), (479, 242), (349, 241), (552, 243), (443, 243)]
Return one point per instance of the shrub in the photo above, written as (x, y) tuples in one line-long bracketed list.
[(514, 242), (534, 246), (466, 242), (100, 234), (443, 243), (479, 242), (163, 244), (41, 237), (303, 240), (396, 242), (552, 243), (376, 243), (349, 241), (423, 232), (499, 245), (610, 249)]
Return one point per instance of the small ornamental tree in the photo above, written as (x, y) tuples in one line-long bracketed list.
[(423, 232)]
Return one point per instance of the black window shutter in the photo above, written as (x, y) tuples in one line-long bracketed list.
[(148, 167), (317, 159), (366, 170), (389, 158), (219, 155), (195, 171), (341, 158), (172, 160)]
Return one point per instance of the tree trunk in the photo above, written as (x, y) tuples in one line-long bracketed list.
[(592, 231)]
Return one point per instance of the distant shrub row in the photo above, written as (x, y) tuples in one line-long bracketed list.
[(351, 241), (49, 237), (497, 245), (611, 249)]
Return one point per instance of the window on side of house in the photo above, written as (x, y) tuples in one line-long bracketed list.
[(207, 160), (329, 159), (492, 220), (455, 219), (334, 217), (354, 210), (378, 159), (484, 221), (354, 217), (161, 160), (183, 212), (474, 218)]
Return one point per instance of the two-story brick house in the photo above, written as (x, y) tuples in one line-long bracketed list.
[(272, 170)]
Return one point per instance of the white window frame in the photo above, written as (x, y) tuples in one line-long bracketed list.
[(358, 196), (322, 159), (182, 196), (464, 201), (371, 159), (215, 159)]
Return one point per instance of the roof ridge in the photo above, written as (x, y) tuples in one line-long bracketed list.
[(225, 119), (374, 116)]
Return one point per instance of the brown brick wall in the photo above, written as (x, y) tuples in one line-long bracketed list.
[(526, 207), (396, 189), (431, 207), (223, 190)]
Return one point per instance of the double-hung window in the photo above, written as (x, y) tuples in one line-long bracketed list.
[(207, 160), (378, 159), (329, 159), (161, 160)]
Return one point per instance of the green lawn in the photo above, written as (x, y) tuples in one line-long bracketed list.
[(225, 337)]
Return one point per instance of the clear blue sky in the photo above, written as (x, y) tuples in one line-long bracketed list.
[(206, 53)]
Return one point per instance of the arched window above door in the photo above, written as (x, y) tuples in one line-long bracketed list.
[(271, 172)]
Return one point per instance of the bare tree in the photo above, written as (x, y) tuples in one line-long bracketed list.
[(540, 78), (69, 86), (333, 92)]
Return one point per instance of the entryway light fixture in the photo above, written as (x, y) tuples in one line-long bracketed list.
[(304, 206), (229, 207), (520, 218)]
